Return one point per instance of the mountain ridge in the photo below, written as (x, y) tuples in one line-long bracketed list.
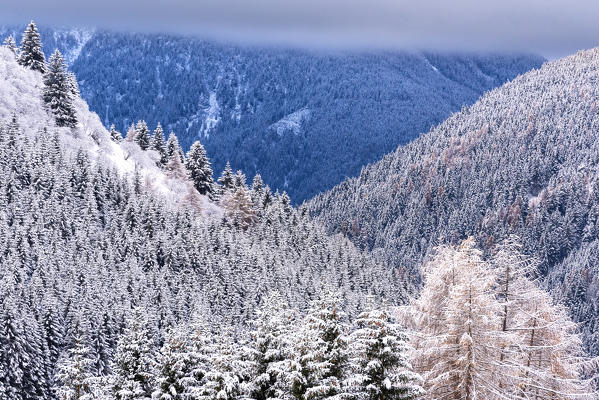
[(363, 105)]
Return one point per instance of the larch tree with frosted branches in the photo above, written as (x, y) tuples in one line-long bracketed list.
[(484, 330)]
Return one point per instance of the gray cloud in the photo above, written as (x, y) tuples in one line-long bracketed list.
[(550, 27)]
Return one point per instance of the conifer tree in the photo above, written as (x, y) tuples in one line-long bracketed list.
[(226, 179), (76, 380), (321, 353), (115, 135), (73, 85), (223, 381), (175, 167), (142, 135), (379, 364), (174, 368), (271, 349), (134, 362), (172, 146), (31, 54), (10, 44), (483, 330), (239, 208), (158, 144), (58, 92), (198, 165)]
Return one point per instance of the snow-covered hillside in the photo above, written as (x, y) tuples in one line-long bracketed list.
[(21, 95)]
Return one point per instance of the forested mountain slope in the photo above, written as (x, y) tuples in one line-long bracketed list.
[(303, 120), (91, 228), (522, 160)]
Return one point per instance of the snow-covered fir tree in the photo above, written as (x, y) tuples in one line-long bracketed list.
[(9, 43), (76, 380), (321, 353), (271, 349), (134, 361), (115, 135), (379, 359), (31, 54), (174, 370), (58, 91), (223, 381), (226, 179), (200, 171), (172, 146), (142, 135), (73, 85), (158, 144)]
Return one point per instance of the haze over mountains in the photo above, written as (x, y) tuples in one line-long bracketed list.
[(303, 120)]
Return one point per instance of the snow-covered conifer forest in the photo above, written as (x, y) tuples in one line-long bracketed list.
[(129, 271)]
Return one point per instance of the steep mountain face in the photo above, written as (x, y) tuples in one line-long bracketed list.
[(522, 160), (303, 120)]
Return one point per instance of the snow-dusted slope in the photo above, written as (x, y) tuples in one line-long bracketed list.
[(21, 94)]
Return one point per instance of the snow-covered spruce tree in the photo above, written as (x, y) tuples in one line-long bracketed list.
[(73, 85), (172, 147), (200, 171), (58, 92), (223, 381), (379, 367), (134, 361), (271, 348), (158, 144), (31, 54), (142, 135), (115, 135), (320, 356), (10, 44), (174, 368), (226, 179), (21, 355), (75, 378), (200, 348)]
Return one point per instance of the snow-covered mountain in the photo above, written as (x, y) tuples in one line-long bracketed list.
[(303, 120), (522, 160)]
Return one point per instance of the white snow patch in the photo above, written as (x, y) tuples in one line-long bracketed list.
[(292, 122)]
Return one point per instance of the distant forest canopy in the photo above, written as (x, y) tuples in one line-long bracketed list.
[(303, 120)]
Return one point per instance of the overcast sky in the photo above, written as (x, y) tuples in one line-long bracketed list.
[(550, 27)]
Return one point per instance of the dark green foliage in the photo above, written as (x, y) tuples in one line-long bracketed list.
[(31, 54), (59, 92)]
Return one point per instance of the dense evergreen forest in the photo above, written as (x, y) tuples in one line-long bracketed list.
[(522, 160)]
